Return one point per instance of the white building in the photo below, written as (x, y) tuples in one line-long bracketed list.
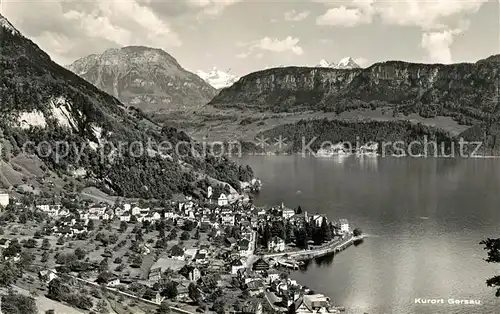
[(318, 219), (315, 303), (276, 244), (287, 213), (4, 199), (228, 219), (51, 210), (344, 225), (125, 216), (136, 211), (222, 200), (209, 192)]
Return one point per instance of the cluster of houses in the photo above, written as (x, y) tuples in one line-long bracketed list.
[(262, 277), (206, 263)]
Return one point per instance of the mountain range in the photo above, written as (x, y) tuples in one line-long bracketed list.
[(143, 77), (46, 107), (464, 89), (151, 79)]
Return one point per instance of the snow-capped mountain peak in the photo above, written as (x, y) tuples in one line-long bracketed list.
[(218, 79), (345, 63), (324, 64), (5, 24)]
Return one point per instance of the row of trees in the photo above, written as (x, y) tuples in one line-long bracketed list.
[(301, 234)]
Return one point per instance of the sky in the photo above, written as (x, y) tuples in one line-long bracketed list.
[(242, 36)]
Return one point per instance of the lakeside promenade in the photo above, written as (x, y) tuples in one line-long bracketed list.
[(333, 247)]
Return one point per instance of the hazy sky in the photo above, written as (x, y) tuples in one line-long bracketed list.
[(248, 35)]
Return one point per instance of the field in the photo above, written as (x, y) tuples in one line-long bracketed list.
[(97, 251), (233, 124)]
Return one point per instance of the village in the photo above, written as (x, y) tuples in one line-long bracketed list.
[(218, 255)]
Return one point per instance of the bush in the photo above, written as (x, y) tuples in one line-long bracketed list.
[(185, 236)]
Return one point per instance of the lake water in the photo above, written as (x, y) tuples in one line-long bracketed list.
[(425, 218)]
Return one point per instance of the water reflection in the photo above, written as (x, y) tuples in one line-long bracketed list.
[(324, 261), (368, 163), (358, 242)]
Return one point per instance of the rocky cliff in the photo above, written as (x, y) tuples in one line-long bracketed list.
[(146, 78), (465, 90)]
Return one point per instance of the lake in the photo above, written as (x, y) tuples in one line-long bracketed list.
[(425, 218)]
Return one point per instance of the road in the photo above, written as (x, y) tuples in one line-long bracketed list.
[(252, 257)]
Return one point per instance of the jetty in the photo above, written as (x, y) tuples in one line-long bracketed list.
[(292, 264), (333, 248)]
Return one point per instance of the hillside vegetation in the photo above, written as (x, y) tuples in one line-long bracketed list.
[(44, 106)]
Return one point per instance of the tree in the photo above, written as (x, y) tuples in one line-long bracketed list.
[(288, 233), (31, 243), (45, 257), (170, 290), (13, 303), (302, 239), (26, 259), (51, 311), (492, 246), (60, 241), (102, 306), (357, 232), (90, 225), (299, 210), (177, 251), (8, 275), (136, 261), (326, 231), (162, 243), (194, 293), (104, 265), (138, 236), (164, 308), (218, 307), (185, 236), (80, 253), (57, 290), (13, 249), (45, 244), (123, 226)]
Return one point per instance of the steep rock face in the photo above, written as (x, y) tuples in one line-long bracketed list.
[(284, 89), (146, 78), (429, 89)]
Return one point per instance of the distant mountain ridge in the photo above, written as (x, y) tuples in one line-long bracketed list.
[(462, 90), (218, 79), (146, 78)]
